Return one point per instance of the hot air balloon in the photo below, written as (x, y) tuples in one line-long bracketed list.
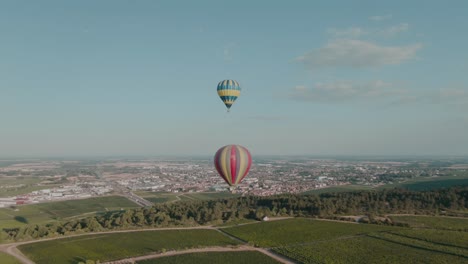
[(233, 163), (228, 91)]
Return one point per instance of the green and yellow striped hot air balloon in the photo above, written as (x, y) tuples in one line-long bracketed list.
[(228, 91)]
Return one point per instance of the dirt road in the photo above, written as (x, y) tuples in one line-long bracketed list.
[(12, 249), (199, 250)]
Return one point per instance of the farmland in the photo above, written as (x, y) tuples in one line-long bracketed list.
[(11, 186), (342, 188), (214, 257), (430, 183), (300, 230), (53, 211), (158, 197), (7, 259), (113, 246), (164, 197), (442, 237), (312, 241), (436, 222), (364, 249)]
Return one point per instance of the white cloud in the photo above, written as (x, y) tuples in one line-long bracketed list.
[(394, 30), (380, 18), (343, 91), (352, 32), (357, 53)]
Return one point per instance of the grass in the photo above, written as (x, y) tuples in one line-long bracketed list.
[(107, 247), (436, 222), (8, 259), (214, 257), (54, 211)]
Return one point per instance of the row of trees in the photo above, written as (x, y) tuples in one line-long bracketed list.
[(192, 213)]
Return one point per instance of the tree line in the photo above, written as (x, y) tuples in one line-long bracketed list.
[(193, 213)]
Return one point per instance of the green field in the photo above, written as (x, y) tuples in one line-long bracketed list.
[(253, 257), (436, 222), (299, 230), (342, 188), (316, 241), (114, 246), (442, 237), (7, 259), (164, 197), (53, 211), (9, 186), (430, 183), (158, 197), (211, 195), (364, 249)]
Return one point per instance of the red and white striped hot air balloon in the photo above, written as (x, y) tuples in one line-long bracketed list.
[(233, 163)]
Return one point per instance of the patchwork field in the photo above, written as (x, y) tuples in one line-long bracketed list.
[(53, 211), (114, 246), (417, 184), (11, 186)]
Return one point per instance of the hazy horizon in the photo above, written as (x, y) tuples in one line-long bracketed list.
[(114, 78)]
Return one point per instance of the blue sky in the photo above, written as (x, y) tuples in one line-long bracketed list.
[(102, 78)]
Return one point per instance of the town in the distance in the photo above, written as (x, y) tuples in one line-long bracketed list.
[(37, 181)]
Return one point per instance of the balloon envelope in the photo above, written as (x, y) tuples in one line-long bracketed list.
[(233, 163), (228, 91)]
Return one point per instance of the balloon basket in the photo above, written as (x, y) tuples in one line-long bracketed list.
[(232, 190)]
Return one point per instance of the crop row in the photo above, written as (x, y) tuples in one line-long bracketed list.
[(421, 244), (113, 246), (364, 249), (297, 231)]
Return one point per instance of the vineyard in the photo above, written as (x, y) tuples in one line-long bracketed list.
[(451, 238), (313, 241), (447, 223), (299, 230), (214, 257), (364, 249), (114, 246), (7, 259)]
